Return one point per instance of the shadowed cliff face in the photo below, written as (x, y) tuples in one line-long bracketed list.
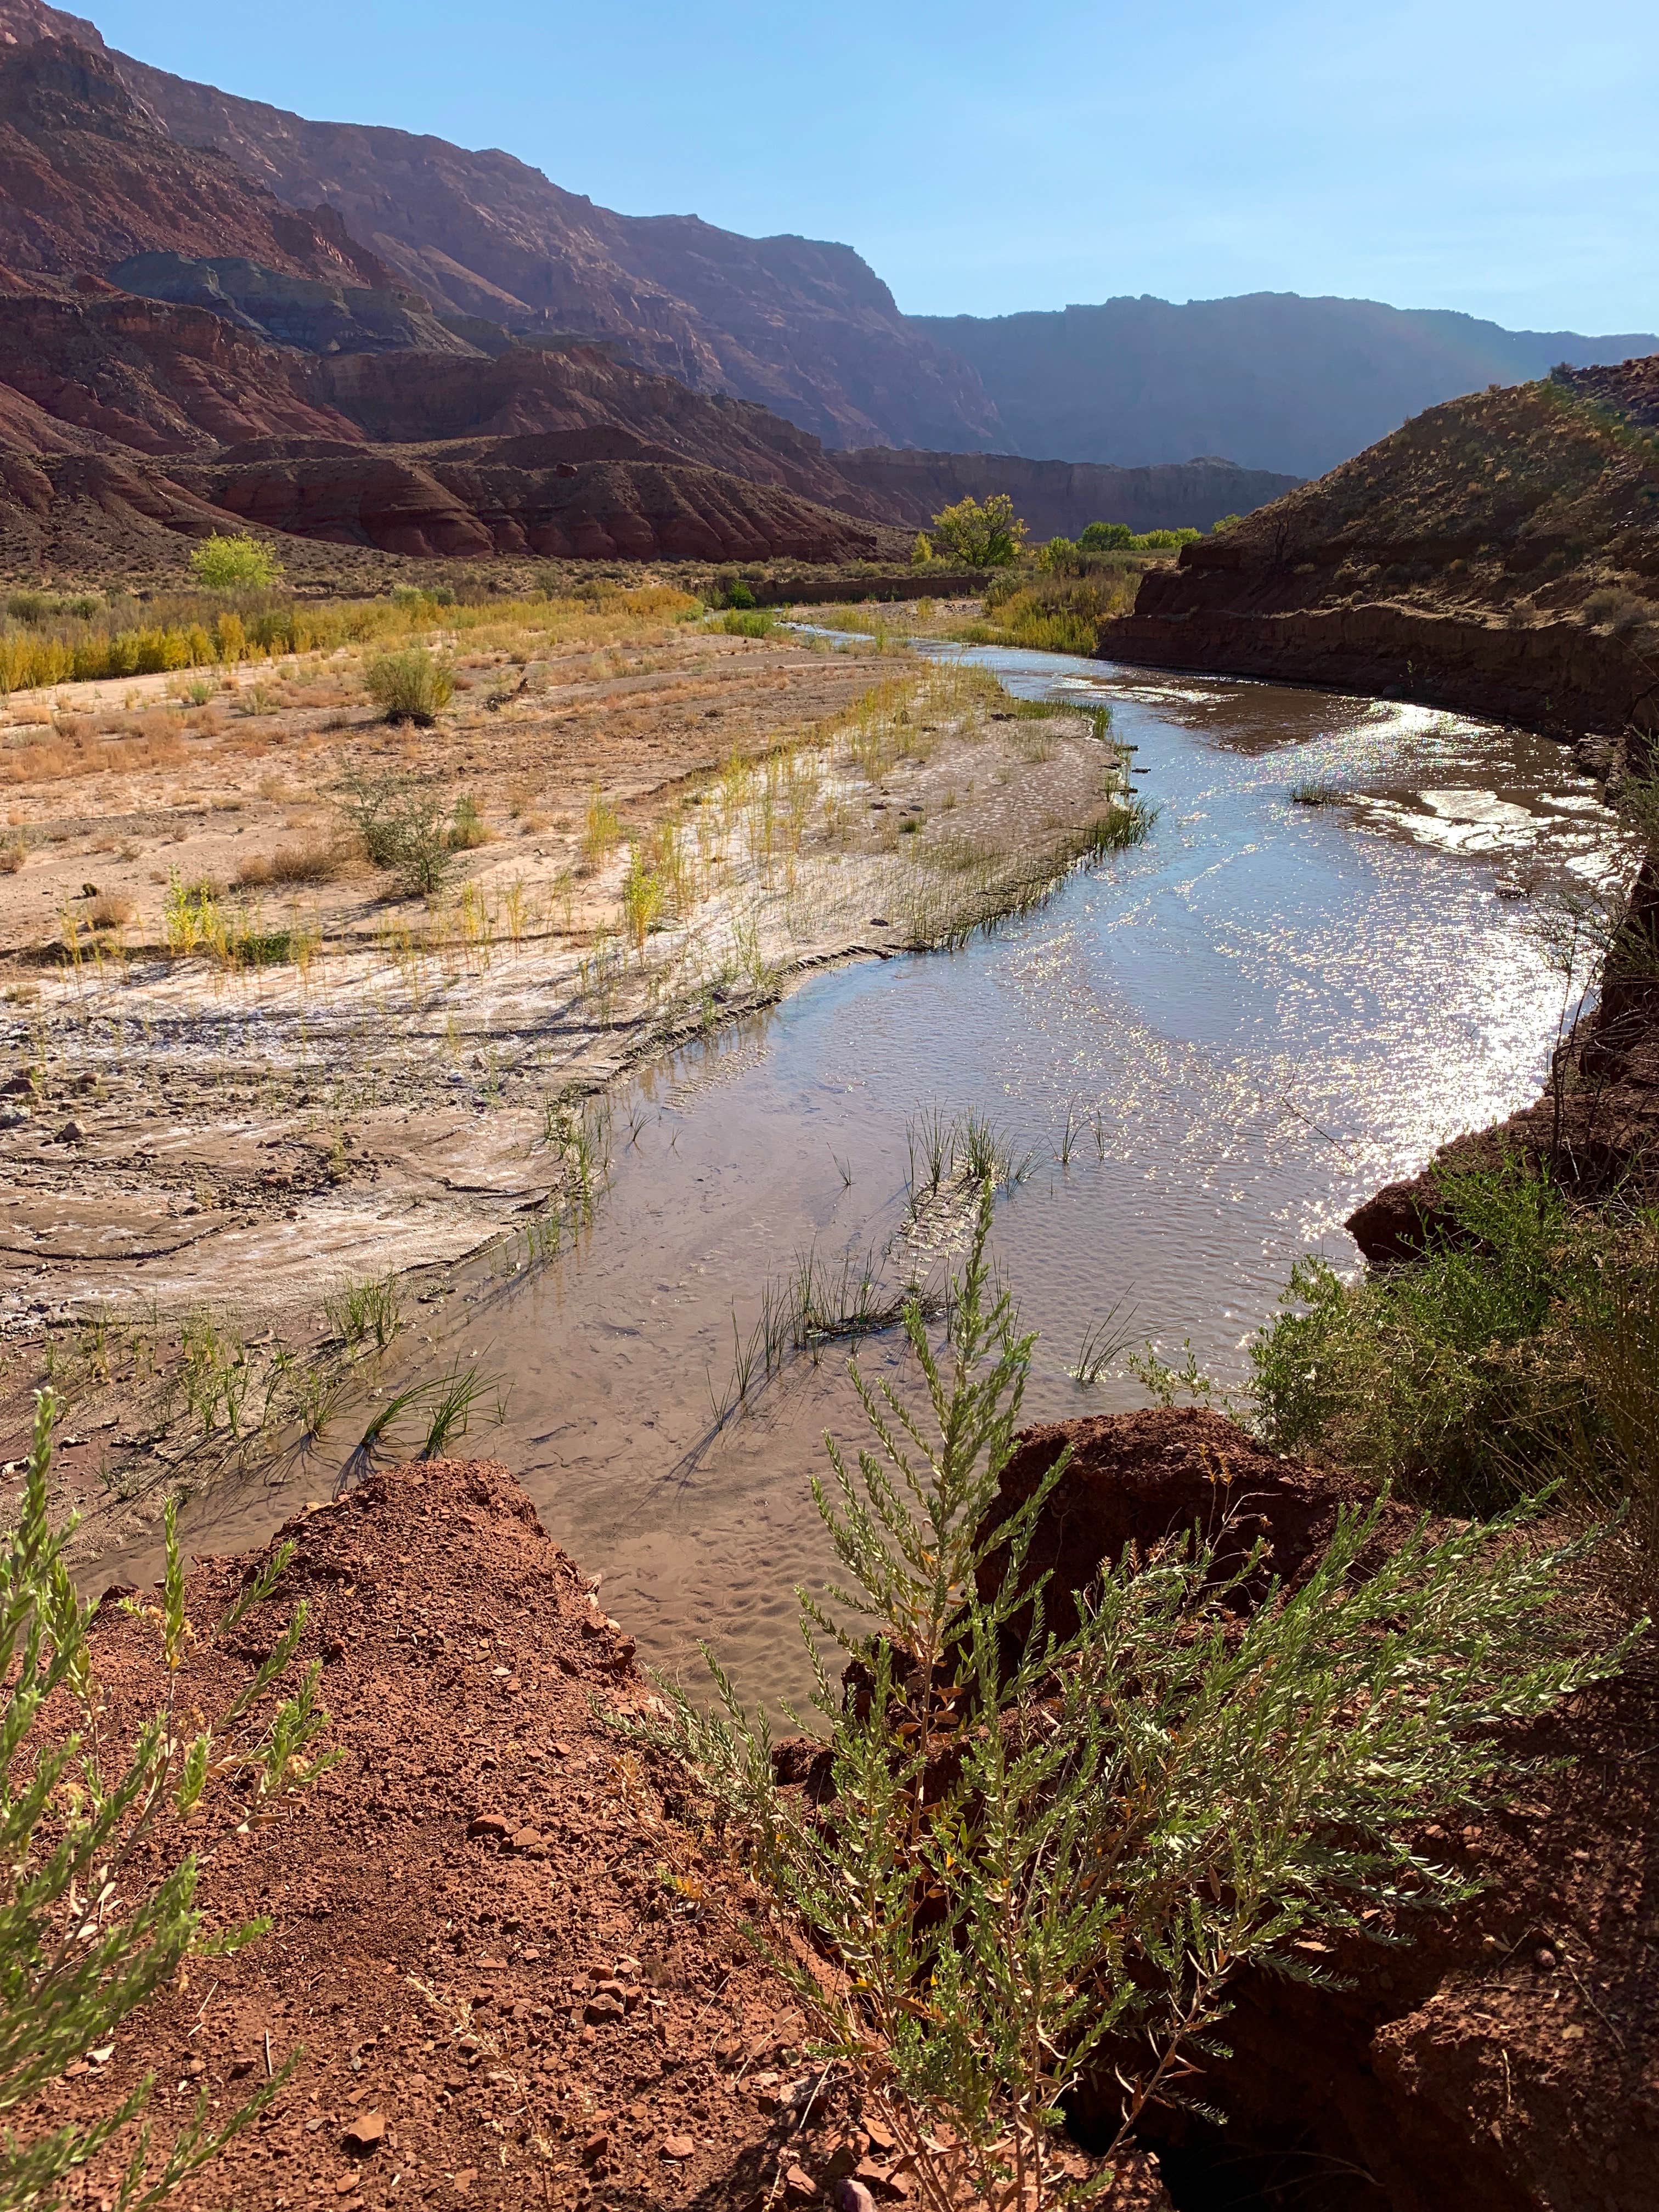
[(1059, 499), (87, 178), (1498, 554), (804, 326), (1276, 380)]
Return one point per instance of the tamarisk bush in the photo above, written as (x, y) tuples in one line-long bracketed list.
[(87, 1930), (1044, 1859)]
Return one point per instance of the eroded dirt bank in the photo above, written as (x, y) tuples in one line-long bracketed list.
[(516, 1981), (1507, 2060)]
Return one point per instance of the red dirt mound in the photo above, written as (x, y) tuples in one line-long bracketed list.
[(1134, 1479), (502, 1999)]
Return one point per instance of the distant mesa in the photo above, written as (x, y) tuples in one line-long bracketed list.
[(1279, 381), (209, 307)]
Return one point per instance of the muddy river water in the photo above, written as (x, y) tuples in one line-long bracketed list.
[(1249, 1024)]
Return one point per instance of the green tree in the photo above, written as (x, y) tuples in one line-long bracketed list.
[(982, 537), (88, 1931), (229, 564), (921, 552), (1107, 538)]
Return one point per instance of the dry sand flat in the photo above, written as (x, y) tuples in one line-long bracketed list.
[(338, 1082)]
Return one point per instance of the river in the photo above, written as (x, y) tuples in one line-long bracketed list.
[(1247, 1025)]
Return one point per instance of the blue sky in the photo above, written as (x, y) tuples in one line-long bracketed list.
[(1495, 155)]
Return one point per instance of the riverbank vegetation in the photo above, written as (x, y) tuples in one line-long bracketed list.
[(1036, 1865), (1521, 1350), (1049, 610), (49, 640)]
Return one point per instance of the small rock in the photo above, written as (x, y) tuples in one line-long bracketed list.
[(853, 2197), (596, 2146), (882, 2138), (490, 1824), (71, 1134), (678, 2147), (601, 2009), (367, 2130), (346, 2186), (798, 2187)]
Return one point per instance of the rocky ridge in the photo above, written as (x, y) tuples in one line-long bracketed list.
[(802, 326)]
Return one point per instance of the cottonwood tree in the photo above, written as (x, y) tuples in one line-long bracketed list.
[(987, 536)]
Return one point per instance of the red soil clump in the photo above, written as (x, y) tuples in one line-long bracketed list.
[(501, 1998)]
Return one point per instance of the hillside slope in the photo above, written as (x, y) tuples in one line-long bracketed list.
[(1276, 380), (1498, 553), (804, 326), (87, 178)]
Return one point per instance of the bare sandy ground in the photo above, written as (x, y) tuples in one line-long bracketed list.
[(336, 1081)]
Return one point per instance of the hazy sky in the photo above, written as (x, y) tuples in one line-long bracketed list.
[(1497, 155)]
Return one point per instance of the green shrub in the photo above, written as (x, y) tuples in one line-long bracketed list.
[(231, 564), (409, 685), (1461, 1375), (403, 826), (982, 537), (91, 1926), (47, 606), (921, 550), (1050, 612), (1107, 538), (738, 594), (1043, 1859), (758, 622)]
